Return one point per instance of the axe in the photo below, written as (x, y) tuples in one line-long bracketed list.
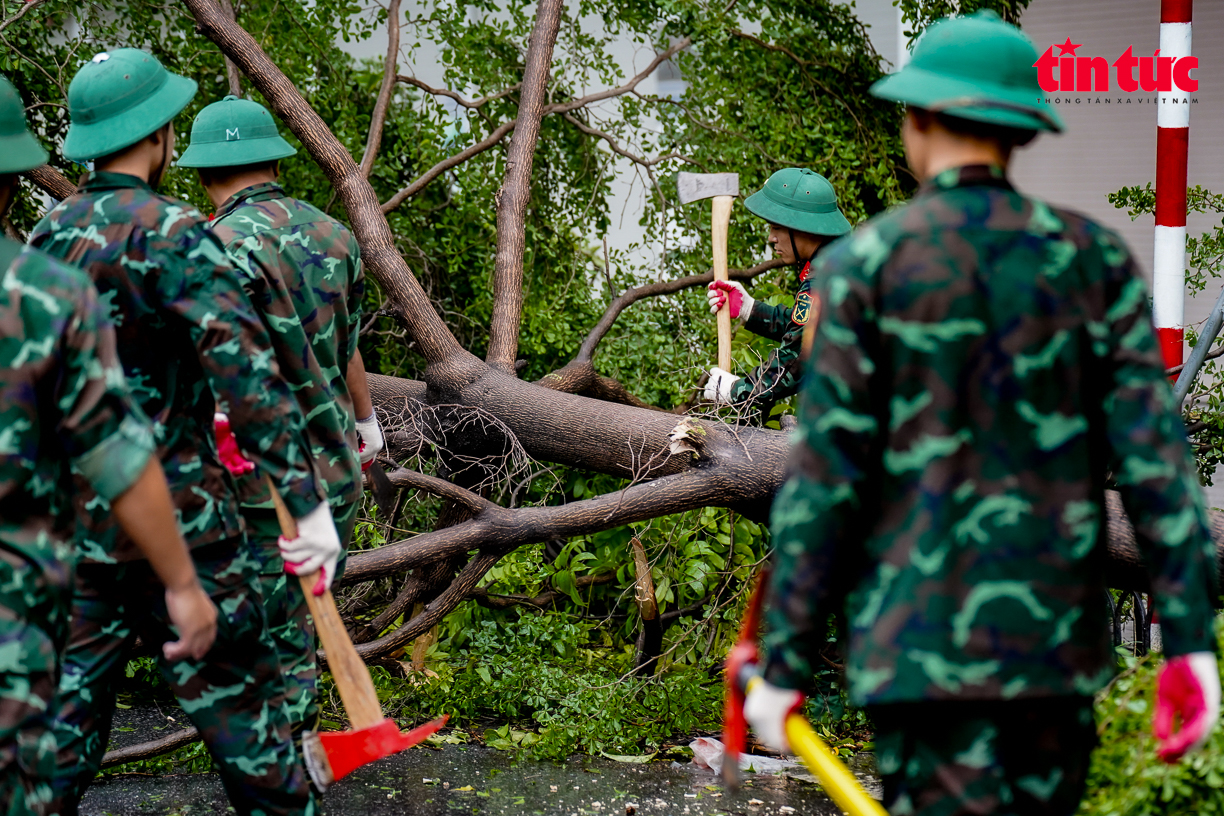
[(721, 188), (332, 755), (741, 675)]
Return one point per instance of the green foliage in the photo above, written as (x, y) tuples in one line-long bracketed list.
[(1126, 778), (921, 13)]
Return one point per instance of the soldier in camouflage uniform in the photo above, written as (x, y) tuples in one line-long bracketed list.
[(64, 406), (189, 341), (981, 362), (801, 208), (302, 271)]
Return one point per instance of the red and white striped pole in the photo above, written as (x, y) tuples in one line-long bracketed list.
[(1172, 141)]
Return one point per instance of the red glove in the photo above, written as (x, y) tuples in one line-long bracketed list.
[(1187, 691), (227, 447), (732, 293)]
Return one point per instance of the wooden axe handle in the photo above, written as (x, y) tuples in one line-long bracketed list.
[(720, 219), (347, 668)]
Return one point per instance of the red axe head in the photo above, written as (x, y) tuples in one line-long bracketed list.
[(333, 755)]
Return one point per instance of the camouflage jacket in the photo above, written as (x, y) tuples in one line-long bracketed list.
[(302, 271), (982, 362), (778, 377), (184, 326), (63, 402)]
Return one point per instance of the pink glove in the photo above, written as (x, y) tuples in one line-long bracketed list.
[(720, 292), (227, 447), (1188, 691)]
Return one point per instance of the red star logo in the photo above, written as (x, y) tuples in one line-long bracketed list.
[(1067, 48)]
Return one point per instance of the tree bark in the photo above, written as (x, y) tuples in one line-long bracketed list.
[(516, 191), (378, 119)]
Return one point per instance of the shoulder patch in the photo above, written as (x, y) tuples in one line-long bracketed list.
[(803, 309), (811, 322)]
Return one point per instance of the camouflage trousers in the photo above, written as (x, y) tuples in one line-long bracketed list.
[(288, 618), (984, 757), (33, 625), (235, 695)]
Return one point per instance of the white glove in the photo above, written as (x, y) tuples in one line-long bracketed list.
[(720, 292), (317, 547), (766, 708), (370, 434), (718, 387), (1188, 695)]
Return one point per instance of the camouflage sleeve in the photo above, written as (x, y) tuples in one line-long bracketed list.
[(240, 364), (778, 377), (1152, 463), (814, 514), (107, 437), (773, 322)]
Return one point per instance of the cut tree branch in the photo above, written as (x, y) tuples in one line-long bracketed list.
[(515, 191), (378, 119)]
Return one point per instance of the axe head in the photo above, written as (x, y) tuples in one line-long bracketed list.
[(696, 186), (335, 754)]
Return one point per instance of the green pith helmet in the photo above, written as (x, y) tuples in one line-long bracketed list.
[(976, 67), (800, 199), (19, 151), (118, 98), (234, 132)]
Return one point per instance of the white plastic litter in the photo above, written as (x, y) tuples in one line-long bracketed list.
[(708, 753)]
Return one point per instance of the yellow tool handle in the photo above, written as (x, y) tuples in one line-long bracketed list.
[(834, 776), (720, 219), (348, 670)]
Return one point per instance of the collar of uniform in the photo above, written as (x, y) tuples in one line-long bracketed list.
[(102, 180), (970, 175), (264, 191)]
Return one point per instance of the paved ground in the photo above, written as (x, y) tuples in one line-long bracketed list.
[(467, 779), (478, 780)]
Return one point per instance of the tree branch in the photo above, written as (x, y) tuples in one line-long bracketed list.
[(620, 151), (378, 119), (449, 94), (408, 301), (631, 296), (51, 181), (500, 133), (515, 191), (231, 70), (23, 11), (446, 164), (628, 87)]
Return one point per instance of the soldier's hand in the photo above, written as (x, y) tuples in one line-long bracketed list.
[(739, 302), (718, 387), (194, 616), (370, 433), (317, 547), (766, 708), (1187, 693)]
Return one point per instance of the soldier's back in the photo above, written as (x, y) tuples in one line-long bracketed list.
[(162, 277), (302, 271), (994, 326)]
